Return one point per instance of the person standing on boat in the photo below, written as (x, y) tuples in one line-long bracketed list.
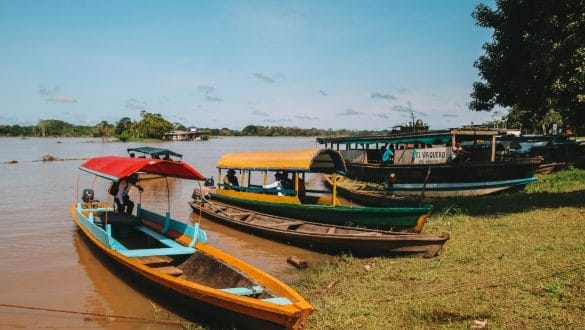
[(123, 202), (459, 154), (230, 179), (387, 155)]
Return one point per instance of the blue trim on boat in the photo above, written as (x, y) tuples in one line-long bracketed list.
[(278, 301), (459, 185), (156, 252), (161, 238), (256, 289), (174, 248)]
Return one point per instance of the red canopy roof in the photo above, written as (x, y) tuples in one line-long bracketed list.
[(115, 167)]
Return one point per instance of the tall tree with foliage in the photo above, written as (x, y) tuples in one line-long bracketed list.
[(104, 129), (535, 62), (123, 125), (152, 125)]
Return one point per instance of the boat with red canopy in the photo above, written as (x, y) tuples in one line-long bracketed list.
[(175, 259)]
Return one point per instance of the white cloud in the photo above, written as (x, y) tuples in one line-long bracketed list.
[(213, 98), (206, 89), (350, 112), (260, 113), (377, 95), (307, 117), (264, 78), (62, 99), (135, 104)]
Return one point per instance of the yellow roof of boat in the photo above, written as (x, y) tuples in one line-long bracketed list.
[(306, 160)]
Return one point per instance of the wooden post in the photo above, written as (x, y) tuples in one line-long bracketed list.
[(493, 155), (334, 197), (297, 262)]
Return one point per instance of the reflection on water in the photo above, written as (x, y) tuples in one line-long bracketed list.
[(114, 293), (47, 264)]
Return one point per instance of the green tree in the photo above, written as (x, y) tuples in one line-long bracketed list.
[(550, 118), (179, 127), (152, 125), (123, 125), (250, 130), (104, 129), (535, 61)]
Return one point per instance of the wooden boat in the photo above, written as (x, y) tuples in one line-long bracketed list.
[(329, 238), (298, 202), (155, 153), (556, 151), (370, 194), (426, 160), (381, 194), (173, 257)]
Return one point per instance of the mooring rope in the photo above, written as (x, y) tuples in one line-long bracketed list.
[(501, 282), (105, 316)]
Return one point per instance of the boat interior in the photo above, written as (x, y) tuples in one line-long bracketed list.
[(133, 237)]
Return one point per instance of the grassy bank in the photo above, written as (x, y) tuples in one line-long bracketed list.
[(516, 260)]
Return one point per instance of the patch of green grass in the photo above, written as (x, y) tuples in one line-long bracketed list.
[(516, 260)]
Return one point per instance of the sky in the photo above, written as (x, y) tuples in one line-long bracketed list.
[(359, 65)]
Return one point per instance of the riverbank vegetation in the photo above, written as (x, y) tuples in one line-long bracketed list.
[(515, 260), (154, 126)]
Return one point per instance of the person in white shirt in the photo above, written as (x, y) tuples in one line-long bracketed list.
[(123, 202), (276, 184)]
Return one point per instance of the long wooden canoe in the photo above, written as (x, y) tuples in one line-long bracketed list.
[(174, 257), (329, 238)]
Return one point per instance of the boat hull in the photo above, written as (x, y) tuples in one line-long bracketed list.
[(374, 217), (446, 190), (204, 298), (328, 238), (444, 173)]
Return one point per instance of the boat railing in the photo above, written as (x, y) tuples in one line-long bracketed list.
[(259, 189)]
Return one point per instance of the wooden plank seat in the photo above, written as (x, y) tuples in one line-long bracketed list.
[(285, 224), (170, 270), (173, 248), (237, 214), (155, 260), (159, 237), (241, 291)]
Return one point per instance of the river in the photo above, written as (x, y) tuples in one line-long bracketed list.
[(49, 276)]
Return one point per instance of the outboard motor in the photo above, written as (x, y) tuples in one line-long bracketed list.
[(87, 195)]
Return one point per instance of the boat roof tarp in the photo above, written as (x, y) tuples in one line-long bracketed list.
[(155, 151), (115, 167), (429, 137), (306, 160)]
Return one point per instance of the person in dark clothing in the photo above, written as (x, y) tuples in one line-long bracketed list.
[(230, 179), (123, 202)]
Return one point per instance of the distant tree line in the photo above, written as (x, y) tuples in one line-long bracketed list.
[(154, 126)]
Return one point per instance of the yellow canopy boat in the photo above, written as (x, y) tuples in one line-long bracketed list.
[(290, 198)]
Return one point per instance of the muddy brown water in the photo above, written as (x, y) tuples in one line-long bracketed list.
[(47, 268)]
